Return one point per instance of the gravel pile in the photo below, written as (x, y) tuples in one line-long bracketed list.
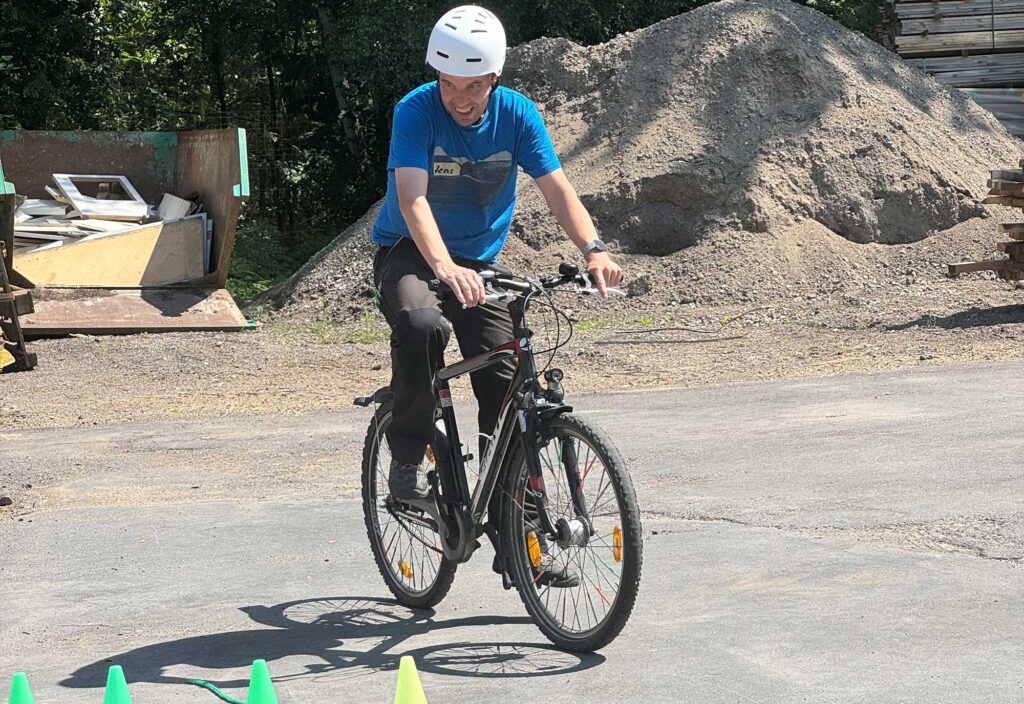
[(742, 151)]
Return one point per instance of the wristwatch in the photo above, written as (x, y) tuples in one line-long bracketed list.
[(594, 246)]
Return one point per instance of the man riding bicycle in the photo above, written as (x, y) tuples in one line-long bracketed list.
[(455, 146)]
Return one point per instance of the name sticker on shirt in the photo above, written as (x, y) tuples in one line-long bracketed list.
[(447, 168)]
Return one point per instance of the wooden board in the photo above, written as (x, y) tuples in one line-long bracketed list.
[(962, 41), (124, 311), (159, 254), (1012, 227), (1006, 104), (1005, 188), (1007, 174), (1004, 200), (987, 265), (966, 63), (956, 8), (1014, 249), (982, 77), (947, 25)]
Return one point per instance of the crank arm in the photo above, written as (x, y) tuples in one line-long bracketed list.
[(463, 547)]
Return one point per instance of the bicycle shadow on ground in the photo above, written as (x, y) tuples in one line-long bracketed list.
[(343, 637), (970, 318)]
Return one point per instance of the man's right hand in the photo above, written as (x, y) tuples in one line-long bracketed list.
[(465, 283)]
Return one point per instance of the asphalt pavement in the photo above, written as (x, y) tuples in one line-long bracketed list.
[(847, 539)]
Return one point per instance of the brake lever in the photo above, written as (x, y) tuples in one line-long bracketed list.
[(492, 295)]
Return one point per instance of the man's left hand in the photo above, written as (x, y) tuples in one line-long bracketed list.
[(603, 271)]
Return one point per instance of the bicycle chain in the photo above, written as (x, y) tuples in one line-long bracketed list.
[(394, 514)]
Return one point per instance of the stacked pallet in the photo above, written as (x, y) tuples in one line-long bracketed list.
[(974, 45), (1006, 187)]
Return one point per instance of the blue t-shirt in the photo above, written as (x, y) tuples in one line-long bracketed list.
[(472, 170)]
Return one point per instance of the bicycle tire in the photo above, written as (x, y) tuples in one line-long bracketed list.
[(516, 548), (374, 487)]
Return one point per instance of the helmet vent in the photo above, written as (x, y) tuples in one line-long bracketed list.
[(474, 61), (450, 26), (442, 55), (478, 31)]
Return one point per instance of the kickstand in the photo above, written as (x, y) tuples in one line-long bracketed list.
[(499, 563)]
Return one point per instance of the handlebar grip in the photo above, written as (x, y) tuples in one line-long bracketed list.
[(513, 285)]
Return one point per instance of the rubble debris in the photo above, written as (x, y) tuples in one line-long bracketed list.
[(44, 225), (174, 208), (107, 205)]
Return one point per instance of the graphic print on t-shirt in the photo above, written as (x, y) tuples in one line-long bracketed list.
[(456, 180)]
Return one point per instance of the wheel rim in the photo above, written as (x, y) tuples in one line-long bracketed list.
[(410, 552), (576, 611)]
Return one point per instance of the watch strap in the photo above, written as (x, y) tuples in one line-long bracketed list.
[(594, 246)]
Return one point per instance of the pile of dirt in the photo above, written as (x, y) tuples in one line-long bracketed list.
[(741, 151)]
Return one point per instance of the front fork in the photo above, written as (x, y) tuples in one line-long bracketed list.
[(533, 423)]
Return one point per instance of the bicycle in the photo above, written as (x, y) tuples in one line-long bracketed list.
[(565, 497)]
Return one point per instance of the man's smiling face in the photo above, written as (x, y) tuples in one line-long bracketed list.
[(465, 99)]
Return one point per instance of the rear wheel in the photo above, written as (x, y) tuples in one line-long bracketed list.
[(606, 561), (407, 550)]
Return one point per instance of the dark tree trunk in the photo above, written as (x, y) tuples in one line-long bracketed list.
[(326, 35)]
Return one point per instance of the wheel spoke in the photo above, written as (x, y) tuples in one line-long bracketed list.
[(403, 541)]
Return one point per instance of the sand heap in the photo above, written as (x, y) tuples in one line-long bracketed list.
[(718, 139)]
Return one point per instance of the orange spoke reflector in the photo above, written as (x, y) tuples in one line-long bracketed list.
[(430, 455), (533, 546), (406, 569), (617, 544), (601, 593)]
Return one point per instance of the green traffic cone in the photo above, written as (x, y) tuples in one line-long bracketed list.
[(20, 692), (261, 689), (409, 690), (117, 687)]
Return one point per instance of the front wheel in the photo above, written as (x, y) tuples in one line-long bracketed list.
[(407, 551), (605, 563)]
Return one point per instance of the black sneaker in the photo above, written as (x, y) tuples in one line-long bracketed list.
[(557, 577), (550, 576), (406, 482)]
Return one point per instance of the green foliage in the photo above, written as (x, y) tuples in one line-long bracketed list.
[(593, 324), (859, 15), (260, 260), (50, 77)]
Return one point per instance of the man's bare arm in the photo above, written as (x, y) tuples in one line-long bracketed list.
[(572, 215), (411, 184)]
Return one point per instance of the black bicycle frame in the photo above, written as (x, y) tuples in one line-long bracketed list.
[(512, 414)]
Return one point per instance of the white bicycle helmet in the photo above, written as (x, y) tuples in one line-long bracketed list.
[(467, 41)]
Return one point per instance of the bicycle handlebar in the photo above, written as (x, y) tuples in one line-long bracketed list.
[(568, 274)]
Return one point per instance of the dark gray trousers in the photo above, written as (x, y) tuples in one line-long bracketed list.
[(419, 332)]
